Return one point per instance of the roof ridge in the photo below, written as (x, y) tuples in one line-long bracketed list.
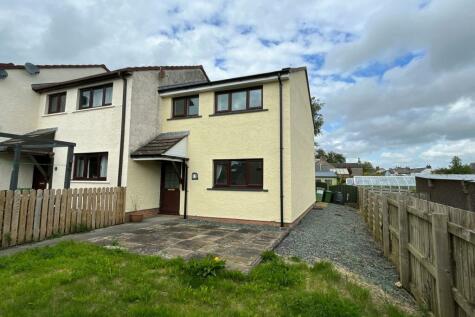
[(16, 66)]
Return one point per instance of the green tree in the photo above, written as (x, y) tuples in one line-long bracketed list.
[(368, 168), (456, 167), (333, 157), (317, 116)]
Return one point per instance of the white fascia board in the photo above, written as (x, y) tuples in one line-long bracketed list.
[(157, 158), (224, 86)]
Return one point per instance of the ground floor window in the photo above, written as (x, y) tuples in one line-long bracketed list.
[(90, 166), (238, 173)]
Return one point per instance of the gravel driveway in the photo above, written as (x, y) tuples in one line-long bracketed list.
[(337, 233)]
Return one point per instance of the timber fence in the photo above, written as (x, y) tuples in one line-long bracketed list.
[(431, 245), (35, 215)]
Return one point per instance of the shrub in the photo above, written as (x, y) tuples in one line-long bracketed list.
[(319, 304), (269, 256), (204, 267)]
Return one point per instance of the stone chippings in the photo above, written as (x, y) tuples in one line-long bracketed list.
[(338, 234)]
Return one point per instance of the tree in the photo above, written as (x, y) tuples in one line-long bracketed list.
[(321, 153), (317, 116), (456, 167), (333, 157), (368, 168)]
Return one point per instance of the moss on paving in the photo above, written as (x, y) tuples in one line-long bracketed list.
[(81, 279)]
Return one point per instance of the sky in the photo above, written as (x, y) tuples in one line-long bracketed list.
[(397, 77)]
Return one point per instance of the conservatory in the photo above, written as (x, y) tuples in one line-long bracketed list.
[(384, 183)]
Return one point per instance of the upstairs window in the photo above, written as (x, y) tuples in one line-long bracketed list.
[(238, 173), (94, 97), (90, 166), (186, 107), (239, 100), (57, 103)]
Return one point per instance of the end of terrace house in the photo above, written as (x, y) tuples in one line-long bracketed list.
[(240, 148)]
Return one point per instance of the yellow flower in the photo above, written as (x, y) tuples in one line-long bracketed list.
[(216, 258)]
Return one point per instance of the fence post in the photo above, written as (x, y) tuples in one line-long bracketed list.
[(385, 212), (440, 238), (404, 269)]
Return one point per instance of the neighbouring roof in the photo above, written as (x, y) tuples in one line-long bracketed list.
[(13, 66), (340, 171), (348, 165), (115, 74), (160, 144), (326, 174), (171, 88), (449, 177), (323, 165)]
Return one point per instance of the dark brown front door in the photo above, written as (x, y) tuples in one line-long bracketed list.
[(170, 189), (40, 177)]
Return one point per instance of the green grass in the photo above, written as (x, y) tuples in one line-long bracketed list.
[(79, 279)]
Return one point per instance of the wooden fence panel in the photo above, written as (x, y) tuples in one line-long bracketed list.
[(15, 217), (27, 216), (2, 211), (432, 245), (31, 216)]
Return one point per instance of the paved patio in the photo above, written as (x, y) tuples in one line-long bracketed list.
[(171, 236)]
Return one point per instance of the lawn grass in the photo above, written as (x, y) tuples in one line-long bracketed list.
[(80, 279)]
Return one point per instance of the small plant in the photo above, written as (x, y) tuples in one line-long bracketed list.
[(295, 259), (7, 237), (269, 256), (115, 243), (81, 228), (204, 267)]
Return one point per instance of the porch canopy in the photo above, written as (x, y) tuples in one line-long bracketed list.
[(38, 142), (170, 146)]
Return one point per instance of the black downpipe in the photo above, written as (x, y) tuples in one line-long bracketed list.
[(122, 131), (281, 156), (185, 181)]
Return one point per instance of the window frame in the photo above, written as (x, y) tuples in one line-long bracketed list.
[(229, 94), (58, 103), (91, 96), (187, 106), (228, 184), (87, 157)]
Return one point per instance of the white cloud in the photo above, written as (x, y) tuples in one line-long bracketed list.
[(408, 114)]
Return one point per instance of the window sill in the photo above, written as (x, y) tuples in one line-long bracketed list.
[(89, 182), (182, 118), (53, 114), (91, 109), (216, 114), (234, 189)]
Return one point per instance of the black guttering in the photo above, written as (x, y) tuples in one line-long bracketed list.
[(223, 81), (281, 150), (40, 88), (122, 129)]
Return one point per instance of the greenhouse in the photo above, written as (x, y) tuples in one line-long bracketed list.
[(390, 183)]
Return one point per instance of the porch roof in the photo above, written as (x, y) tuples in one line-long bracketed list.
[(27, 138), (165, 145)]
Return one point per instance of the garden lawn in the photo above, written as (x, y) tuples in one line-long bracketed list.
[(80, 279)]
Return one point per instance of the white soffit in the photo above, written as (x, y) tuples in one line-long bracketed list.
[(224, 86)]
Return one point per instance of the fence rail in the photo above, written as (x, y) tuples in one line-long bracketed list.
[(431, 245), (35, 215)]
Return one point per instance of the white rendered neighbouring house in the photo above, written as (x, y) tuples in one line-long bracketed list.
[(239, 148)]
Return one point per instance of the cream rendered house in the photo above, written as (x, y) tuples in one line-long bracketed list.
[(240, 148)]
